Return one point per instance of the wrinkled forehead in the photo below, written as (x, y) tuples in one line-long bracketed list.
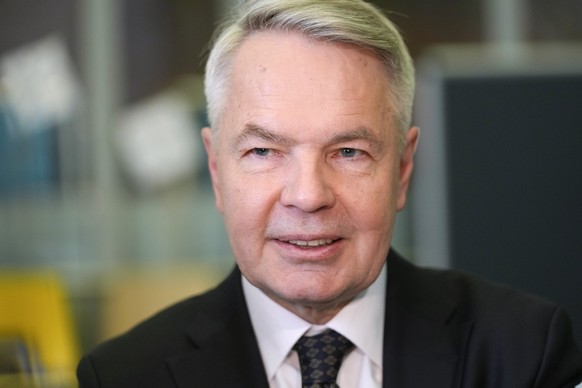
[(285, 81), (294, 48), (290, 65)]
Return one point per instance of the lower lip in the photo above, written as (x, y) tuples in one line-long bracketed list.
[(312, 254)]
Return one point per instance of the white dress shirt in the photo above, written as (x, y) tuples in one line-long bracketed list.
[(361, 321)]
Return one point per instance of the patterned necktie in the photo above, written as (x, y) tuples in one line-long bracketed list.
[(320, 358)]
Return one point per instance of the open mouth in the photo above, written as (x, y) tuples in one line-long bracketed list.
[(311, 243)]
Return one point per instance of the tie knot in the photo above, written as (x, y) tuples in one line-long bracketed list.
[(320, 357)]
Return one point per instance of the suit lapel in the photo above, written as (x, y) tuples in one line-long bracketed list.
[(423, 345), (225, 351)]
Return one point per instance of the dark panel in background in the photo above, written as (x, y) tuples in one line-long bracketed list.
[(512, 180), (515, 170)]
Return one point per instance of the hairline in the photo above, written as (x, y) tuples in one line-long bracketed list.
[(399, 75)]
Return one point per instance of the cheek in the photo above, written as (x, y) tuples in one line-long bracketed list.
[(374, 205), (247, 203)]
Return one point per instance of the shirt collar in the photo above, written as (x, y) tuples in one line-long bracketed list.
[(277, 329)]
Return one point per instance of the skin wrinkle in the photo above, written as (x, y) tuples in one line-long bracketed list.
[(252, 130)]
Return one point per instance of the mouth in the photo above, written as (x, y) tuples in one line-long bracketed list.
[(307, 249), (311, 243)]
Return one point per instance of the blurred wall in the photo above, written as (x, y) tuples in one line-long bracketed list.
[(90, 215)]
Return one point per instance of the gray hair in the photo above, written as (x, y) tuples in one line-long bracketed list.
[(354, 22)]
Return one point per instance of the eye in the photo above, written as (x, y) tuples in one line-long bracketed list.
[(349, 152), (261, 151)]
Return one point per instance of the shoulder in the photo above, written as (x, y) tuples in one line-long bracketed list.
[(144, 350), (472, 296), (529, 336), (170, 325)]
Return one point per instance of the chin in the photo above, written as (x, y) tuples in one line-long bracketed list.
[(318, 295)]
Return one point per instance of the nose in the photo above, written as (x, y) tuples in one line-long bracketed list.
[(308, 185)]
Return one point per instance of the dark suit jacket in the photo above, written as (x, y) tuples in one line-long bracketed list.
[(442, 329)]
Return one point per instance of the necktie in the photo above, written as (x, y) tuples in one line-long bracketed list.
[(320, 358)]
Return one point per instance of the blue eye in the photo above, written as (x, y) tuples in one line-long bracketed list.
[(348, 152), (261, 151)]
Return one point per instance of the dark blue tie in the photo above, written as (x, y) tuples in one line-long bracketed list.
[(320, 358)]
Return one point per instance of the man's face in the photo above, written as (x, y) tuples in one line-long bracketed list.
[(306, 170)]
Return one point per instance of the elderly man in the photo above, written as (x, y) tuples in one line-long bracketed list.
[(311, 155)]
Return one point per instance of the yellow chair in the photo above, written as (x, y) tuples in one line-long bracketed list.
[(133, 294), (36, 325)]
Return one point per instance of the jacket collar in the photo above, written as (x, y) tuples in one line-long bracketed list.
[(423, 343), (225, 349)]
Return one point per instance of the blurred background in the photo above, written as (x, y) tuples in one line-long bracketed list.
[(105, 198)]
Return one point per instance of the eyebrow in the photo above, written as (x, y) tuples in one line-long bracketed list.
[(253, 130), (360, 133)]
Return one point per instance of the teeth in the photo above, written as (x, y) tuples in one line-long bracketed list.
[(311, 243)]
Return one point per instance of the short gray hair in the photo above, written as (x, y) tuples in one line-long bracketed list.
[(354, 22)]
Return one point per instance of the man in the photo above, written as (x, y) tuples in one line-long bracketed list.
[(311, 155)]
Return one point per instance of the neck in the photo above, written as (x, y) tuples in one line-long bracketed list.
[(314, 313)]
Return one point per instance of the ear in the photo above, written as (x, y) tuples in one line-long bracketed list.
[(211, 152), (406, 166)]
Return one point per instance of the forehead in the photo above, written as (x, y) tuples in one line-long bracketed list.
[(289, 77), (279, 57)]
